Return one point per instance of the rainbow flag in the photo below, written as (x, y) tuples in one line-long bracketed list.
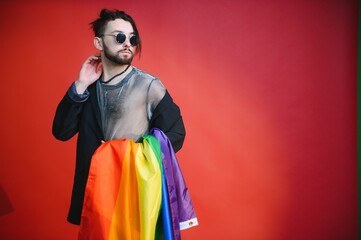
[(133, 192)]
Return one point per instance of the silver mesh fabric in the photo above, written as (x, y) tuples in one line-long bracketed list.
[(127, 106)]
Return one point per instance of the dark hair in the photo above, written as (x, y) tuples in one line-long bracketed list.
[(106, 16)]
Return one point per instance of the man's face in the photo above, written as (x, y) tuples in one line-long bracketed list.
[(119, 53)]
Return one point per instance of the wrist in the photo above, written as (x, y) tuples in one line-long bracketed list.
[(75, 96), (80, 86)]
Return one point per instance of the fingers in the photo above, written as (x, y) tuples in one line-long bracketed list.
[(99, 67), (93, 63), (96, 58), (91, 70)]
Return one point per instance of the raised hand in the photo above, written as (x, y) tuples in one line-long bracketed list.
[(90, 71)]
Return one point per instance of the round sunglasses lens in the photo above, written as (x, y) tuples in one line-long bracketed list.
[(133, 40), (120, 38)]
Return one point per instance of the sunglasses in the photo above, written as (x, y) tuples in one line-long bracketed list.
[(121, 37)]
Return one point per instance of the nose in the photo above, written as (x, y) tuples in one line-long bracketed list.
[(126, 43)]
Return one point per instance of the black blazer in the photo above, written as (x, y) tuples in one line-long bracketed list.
[(84, 118)]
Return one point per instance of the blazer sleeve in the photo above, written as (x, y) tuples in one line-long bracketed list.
[(67, 117), (167, 117)]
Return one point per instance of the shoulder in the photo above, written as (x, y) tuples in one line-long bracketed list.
[(153, 83), (143, 73)]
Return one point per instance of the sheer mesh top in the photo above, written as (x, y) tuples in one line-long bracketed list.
[(127, 106)]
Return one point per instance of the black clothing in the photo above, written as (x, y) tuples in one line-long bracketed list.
[(84, 118)]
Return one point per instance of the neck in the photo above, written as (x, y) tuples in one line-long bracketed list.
[(114, 72), (119, 75), (110, 69)]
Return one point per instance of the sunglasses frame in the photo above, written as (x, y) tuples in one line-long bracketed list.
[(121, 37)]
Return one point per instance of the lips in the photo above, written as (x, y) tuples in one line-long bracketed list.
[(126, 51)]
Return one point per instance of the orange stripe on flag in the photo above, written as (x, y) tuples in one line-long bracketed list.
[(102, 190), (125, 221)]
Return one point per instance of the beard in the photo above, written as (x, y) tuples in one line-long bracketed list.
[(115, 58)]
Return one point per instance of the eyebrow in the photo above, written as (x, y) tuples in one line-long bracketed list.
[(118, 31)]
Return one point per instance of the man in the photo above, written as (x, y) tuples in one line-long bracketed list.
[(111, 99)]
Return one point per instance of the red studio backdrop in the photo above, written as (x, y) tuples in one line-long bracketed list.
[(267, 90)]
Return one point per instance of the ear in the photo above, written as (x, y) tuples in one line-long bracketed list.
[(98, 43)]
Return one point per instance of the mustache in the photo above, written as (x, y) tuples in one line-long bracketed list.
[(126, 50)]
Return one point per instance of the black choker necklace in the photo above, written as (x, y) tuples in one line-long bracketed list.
[(116, 75)]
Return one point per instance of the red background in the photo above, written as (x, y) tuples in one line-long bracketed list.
[(268, 94)]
